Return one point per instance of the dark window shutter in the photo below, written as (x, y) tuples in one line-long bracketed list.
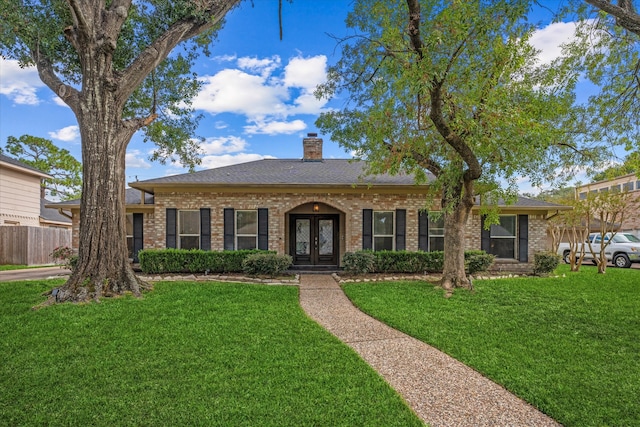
[(485, 237), (523, 238), (367, 228), (205, 229), (229, 229), (263, 229), (138, 238), (401, 229), (172, 226), (423, 231)]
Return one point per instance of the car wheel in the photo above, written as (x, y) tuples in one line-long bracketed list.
[(566, 257), (622, 261)]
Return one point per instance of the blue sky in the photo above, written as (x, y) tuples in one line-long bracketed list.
[(257, 97)]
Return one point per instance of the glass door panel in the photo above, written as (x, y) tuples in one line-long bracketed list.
[(303, 236)]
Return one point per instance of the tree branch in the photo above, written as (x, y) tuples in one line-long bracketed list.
[(414, 26), (625, 15), (157, 51), (67, 93)]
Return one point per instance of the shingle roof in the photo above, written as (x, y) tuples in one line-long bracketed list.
[(18, 163), (51, 214), (284, 171), (132, 197), (525, 202)]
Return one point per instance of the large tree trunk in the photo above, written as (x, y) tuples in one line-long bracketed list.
[(457, 210), (103, 267)]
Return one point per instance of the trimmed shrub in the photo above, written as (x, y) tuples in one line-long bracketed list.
[(476, 261), (545, 263), (409, 262), (160, 261), (360, 262), (266, 264)]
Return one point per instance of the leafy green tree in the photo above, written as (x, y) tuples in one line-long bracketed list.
[(606, 51), (114, 64), (631, 164), (451, 92), (44, 155)]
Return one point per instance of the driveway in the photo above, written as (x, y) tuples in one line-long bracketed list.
[(33, 274)]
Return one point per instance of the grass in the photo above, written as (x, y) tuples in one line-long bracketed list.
[(7, 267), (186, 354), (568, 345)]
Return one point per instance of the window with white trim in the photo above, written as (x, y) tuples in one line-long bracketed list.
[(189, 229), (436, 234), (383, 235), (246, 229), (503, 237)]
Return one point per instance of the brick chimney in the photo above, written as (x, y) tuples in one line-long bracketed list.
[(312, 146)]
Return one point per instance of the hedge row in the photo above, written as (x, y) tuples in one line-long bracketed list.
[(362, 262), (160, 261)]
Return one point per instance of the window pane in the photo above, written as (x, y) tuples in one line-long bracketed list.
[(436, 243), (189, 242), (383, 223), (503, 248), (326, 236), (245, 242), (189, 222), (383, 243), (303, 237), (436, 228), (247, 222), (506, 228)]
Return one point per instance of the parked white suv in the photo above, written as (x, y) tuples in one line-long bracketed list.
[(622, 251)]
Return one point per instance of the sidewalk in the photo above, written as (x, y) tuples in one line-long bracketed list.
[(441, 390)]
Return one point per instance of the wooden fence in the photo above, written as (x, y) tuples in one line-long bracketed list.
[(23, 245)]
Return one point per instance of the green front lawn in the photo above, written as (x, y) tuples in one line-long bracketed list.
[(186, 354), (568, 345), (7, 267)]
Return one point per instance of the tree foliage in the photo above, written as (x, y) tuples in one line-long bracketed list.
[(44, 155), (114, 64), (451, 92), (606, 52), (631, 164)]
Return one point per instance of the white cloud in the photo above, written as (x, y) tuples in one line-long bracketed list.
[(306, 73), (266, 93), (216, 146), (210, 162), (19, 84), (234, 91), (264, 66), (549, 40), (275, 127), (58, 101), (68, 134), (135, 159)]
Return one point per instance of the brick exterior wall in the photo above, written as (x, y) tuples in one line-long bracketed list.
[(348, 205)]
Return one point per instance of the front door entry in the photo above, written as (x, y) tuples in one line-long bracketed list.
[(314, 240)]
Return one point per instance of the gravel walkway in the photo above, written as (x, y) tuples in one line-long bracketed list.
[(441, 390)]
